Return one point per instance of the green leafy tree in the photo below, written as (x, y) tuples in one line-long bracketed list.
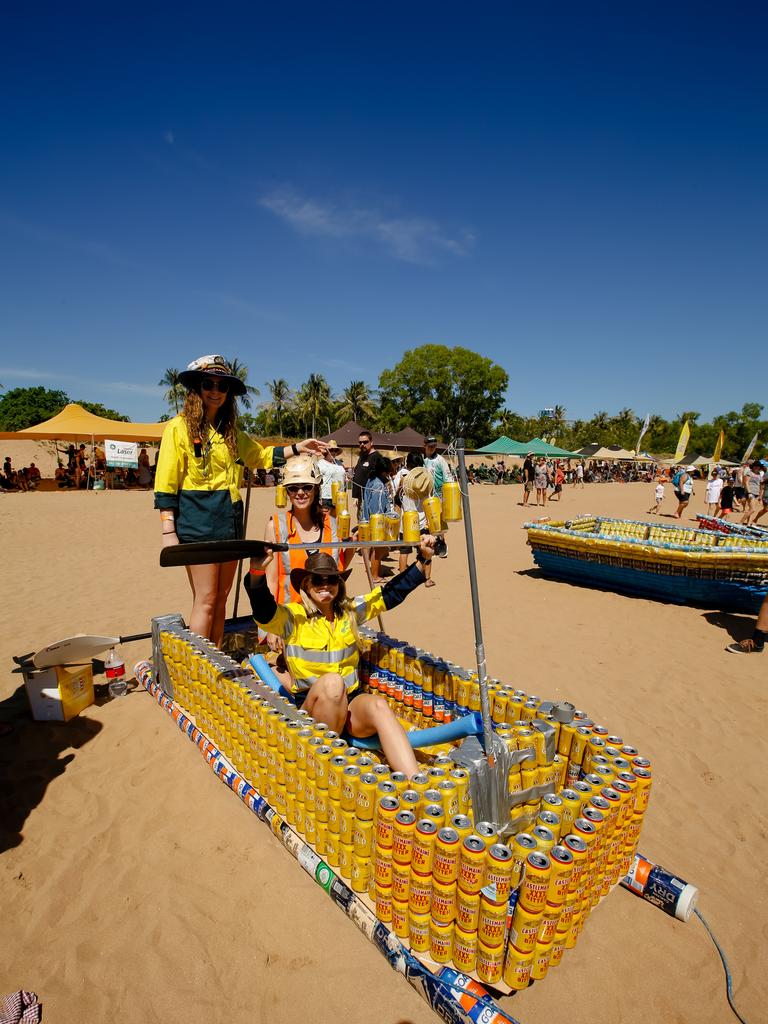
[(25, 407), (101, 410), (313, 402), (451, 392), (281, 398), (355, 403), (175, 390), (240, 370)]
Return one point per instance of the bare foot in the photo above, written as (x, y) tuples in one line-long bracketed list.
[(429, 583)]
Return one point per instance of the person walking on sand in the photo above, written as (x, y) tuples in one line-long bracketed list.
[(658, 496), (578, 476), (764, 493), (541, 480), (752, 478), (714, 489), (320, 632), (682, 481), (529, 472), (199, 473)]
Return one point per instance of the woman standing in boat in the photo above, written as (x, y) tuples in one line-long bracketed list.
[(321, 650), (199, 473)]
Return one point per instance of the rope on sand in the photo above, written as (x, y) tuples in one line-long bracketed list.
[(455, 998), (726, 968)]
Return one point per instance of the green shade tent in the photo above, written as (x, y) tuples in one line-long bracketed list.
[(506, 446), (503, 446)]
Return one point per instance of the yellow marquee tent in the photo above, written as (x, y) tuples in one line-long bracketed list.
[(74, 423)]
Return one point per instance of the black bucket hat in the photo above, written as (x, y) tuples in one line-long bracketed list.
[(324, 565)]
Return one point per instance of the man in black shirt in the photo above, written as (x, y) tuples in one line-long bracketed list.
[(368, 461), (528, 473)]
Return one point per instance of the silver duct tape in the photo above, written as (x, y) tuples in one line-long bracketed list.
[(171, 623)]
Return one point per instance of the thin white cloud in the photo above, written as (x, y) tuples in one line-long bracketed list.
[(412, 239), (77, 381)]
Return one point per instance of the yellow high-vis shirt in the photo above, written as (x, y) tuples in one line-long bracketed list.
[(314, 646), (203, 486)]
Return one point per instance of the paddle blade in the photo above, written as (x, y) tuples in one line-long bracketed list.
[(213, 552), (73, 650)]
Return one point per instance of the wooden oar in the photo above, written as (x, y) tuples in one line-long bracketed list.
[(212, 552)]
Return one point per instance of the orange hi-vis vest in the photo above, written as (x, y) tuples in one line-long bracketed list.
[(296, 558)]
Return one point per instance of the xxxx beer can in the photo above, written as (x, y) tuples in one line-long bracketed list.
[(383, 867), (472, 864), (524, 929), (400, 918), (490, 963), (424, 846), (435, 813), (491, 922), (463, 825), (440, 941), (535, 884), (418, 931), (497, 879), (419, 893), (347, 827), (346, 856), (361, 871), (540, 964), (486, 831), (445, 864), (401, 881), (366, 796), (545, 838), (517, 968), (385, 821), (443, 902), (467, 910), (522, 845), (449, 797), (403, 832), (464, 949), (384, 904)]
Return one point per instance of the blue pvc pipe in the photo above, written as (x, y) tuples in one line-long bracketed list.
[(264, 671), (469, 725)]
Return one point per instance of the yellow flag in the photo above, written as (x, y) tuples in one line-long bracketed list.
[(682, 441), (719, 447)]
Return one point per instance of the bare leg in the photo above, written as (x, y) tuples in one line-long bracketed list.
[(369, 714), (226, 577), (204, 580), (327, 701), (761, 513), (762, 616)]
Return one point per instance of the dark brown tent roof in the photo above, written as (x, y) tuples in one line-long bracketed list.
[(347, 435)]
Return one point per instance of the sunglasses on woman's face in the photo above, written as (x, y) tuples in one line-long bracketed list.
[(323, 581), (210, 384), (295, 488)]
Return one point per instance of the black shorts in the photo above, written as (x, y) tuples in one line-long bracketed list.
[(739, 493), (682, 497)]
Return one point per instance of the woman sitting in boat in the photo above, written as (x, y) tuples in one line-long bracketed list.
[(320, 632)]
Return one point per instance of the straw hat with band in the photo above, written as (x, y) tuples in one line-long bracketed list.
[(332, 446), (320, 563), (418, 484), (302, 470), (211, 366)]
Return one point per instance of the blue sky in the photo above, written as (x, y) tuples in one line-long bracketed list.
[(577, 193)]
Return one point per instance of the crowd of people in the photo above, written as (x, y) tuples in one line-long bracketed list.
[(25, 479), (742, 490)]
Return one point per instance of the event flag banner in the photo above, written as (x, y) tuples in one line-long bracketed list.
[(682, 441), (646, 424), (122, 454), (717, 452), (750, 448)]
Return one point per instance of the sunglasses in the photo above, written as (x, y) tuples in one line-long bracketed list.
[(209, 384), (295, 488), (364, 444), (316, 580)]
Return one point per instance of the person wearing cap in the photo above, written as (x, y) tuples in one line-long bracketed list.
[(320, 632), (331, 470), (683, 484), (437, 465), (714, 490), (304, 522), (415, 487), (198, 478)]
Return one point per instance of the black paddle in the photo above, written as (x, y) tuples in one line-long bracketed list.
[(212, 552)]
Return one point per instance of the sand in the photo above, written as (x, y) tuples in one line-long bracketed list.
[(137, 888)]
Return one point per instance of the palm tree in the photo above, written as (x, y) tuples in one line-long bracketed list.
[(175, 390), (314, 399), (281, 396), (355, 403), (240, 370)]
